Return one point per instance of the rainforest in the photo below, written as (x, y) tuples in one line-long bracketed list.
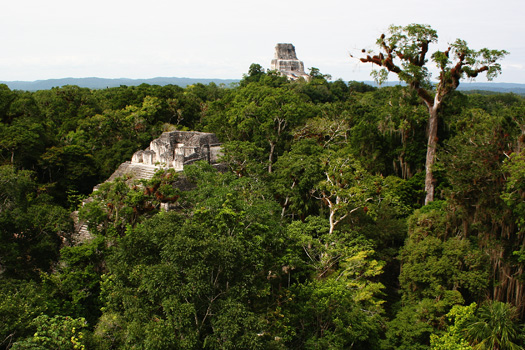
[(314, 234)]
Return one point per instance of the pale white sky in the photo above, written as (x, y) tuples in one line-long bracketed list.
[(221, 38)]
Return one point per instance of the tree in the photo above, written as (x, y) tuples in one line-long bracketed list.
[(20, 141), (242, 158), (255, 73), (296, 173), (453, 338), (347, 187), (260, 114), (20, 302), (6, 98), (73, 287), (124, 202), (483, 180), (404, 52), (57, 332), (338, 306), (434, 264), (71, 167), (436, 273), (495, 327), (31, 227), (175, 282), (64, 107), (514, 194), (492, 326)]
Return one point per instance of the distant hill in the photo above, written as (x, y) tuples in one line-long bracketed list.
[(102, 83), (495, 87), (477, 87)]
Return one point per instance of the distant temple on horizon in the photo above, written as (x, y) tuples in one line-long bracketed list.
[(286, 62)]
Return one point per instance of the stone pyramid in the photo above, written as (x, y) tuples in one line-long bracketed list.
[(286, 62)]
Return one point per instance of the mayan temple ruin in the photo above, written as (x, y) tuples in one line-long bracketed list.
[(286, 62), (174, 149), (178, 148)]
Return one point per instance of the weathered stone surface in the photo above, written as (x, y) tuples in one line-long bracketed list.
[(286, 62), (178, 148), (171, 150), (81, 233)]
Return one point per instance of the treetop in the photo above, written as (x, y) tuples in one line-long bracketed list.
[(404, 49)]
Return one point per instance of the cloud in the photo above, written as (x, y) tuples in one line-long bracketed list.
[(205, 38), (513, 66)]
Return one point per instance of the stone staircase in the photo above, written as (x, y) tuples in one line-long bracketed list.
[(141, 171), (136, 170), (82, 233)]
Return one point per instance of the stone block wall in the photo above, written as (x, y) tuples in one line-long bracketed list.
[(177, 148), (286, 62)]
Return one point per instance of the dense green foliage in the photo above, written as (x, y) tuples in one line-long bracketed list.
[(315, 237)]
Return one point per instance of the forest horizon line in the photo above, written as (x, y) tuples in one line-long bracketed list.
[(103, 83)]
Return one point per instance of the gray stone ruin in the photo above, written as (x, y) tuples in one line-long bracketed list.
[(178, 148), (175, 150), (286, 62)]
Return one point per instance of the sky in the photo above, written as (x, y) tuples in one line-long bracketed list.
[(220, 39)]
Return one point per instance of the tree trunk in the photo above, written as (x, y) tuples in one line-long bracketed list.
[(331, 219), (270, 157), (431, 153)]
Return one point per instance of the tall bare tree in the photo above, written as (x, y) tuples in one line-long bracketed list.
[(404, 51)]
